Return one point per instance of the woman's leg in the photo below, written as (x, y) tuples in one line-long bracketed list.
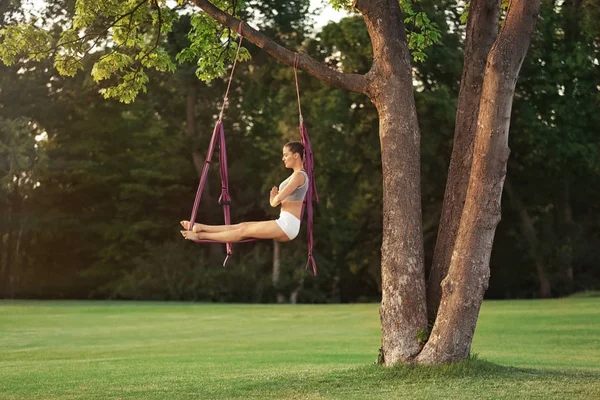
[(256, 230), (210, 228)]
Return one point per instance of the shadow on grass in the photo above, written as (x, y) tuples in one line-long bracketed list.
[(476, 368), (474, 373)]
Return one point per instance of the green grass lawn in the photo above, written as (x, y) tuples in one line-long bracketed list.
[(142, 350)]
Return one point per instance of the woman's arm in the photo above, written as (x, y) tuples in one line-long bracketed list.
[(274, 191), (277, 197)]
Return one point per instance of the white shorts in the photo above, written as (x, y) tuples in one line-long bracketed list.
[(289, 224)]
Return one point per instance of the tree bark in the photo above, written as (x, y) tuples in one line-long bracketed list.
[(482, 30), (403, 307), (468, 275), (532, 241)]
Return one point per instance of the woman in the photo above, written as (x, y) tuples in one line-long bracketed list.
[(290, 195)]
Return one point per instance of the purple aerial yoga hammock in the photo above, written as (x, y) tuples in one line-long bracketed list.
[(218, 136), (309, 165)]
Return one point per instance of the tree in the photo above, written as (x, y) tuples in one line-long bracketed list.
[(460, 272)]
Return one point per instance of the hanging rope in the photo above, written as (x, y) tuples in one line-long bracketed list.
[(309, 165), (296, 60), (232, 71)]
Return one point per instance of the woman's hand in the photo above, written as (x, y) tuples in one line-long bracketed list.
[(274, 192)]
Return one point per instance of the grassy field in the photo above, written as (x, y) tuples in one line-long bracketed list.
[(142, 350)]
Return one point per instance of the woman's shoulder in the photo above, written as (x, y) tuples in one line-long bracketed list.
[(301, 176)]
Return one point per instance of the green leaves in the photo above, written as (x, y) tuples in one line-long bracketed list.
[(20, 39), (341, 4), (129, 88), (129, 32), (132, 80), (210, 47), (110, 64), (421, 31)]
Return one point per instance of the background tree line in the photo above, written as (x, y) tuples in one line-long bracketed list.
[(91, 191)]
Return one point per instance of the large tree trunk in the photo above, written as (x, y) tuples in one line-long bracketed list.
[(403, 305), (468, 275), (532, 241), (482, 30)]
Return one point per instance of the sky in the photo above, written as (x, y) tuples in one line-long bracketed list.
[(328, 14)]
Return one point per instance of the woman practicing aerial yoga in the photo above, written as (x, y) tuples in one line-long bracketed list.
[(295, 195), (290, 195)]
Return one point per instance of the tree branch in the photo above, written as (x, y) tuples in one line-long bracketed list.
[(353, 82)]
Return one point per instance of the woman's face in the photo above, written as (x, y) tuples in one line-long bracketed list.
[(289, 158)]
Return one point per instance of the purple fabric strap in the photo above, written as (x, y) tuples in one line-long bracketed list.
[(309, 166), (225, 200), (218, 137), (311, 194), (211, 149)]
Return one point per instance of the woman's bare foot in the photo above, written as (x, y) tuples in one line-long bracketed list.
[(190, 235), (186, 225)]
